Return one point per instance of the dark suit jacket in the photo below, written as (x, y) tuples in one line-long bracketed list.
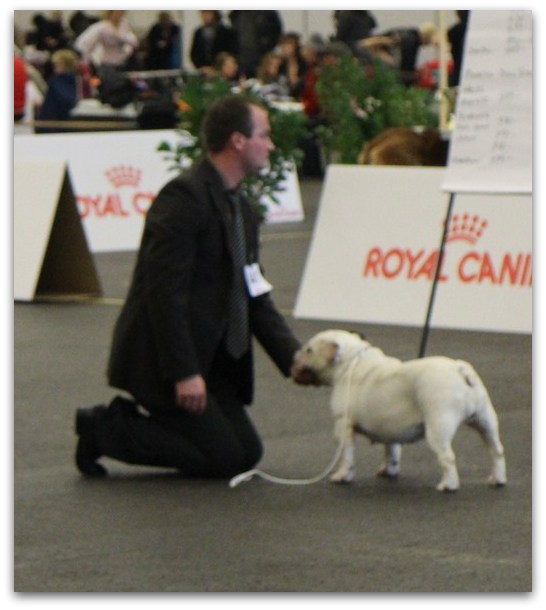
[(174, 319), (224, 41)]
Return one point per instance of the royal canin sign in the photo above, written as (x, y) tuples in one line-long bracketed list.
[(124, 200), (376, 241), (473, 266)]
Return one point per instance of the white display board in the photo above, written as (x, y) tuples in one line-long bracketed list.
[(50, 253), (116, 176), (375, 247), (492, 144)]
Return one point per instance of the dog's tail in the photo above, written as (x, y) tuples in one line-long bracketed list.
[(468, 374), (474, 383)]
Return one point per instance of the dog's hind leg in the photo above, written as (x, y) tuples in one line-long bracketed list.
[(439, 435), (485, 421), (391, 468), (346, 436)]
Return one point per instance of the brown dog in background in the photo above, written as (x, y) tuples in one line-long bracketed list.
[(405, 146)]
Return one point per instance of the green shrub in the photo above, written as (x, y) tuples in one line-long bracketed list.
[(359, 102)]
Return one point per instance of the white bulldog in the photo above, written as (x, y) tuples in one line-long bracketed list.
[(395, 402)]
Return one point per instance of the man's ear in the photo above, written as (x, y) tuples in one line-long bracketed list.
[(238, 140)]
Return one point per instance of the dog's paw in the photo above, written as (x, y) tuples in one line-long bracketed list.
[(446, 488), (493, 481), (343, 476), (387, 473)]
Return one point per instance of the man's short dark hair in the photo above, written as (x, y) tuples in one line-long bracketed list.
[(227, 115)]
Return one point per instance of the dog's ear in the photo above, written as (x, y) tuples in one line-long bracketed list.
[(330, 350), (358, 334)]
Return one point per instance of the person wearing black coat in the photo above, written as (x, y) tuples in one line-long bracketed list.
[(163, 42), (211, 39), (258, 33), (352, 26), (80, 21), (176, 349), (51, 34), (456, 36)]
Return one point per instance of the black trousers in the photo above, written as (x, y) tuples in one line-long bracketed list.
[(221, 442)]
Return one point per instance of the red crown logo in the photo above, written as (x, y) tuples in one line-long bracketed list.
[(124, 175), (466, 228)]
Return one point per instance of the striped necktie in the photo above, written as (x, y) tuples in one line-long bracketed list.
[(237, 336)]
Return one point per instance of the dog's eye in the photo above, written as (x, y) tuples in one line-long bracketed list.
[(308, 351)]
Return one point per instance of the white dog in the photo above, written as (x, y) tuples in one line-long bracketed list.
[(395, 402)]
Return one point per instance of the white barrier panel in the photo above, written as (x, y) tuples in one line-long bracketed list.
[(375, 246), (289, 208), (116, 176), (50, 252)]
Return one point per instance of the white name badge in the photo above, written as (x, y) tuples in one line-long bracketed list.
[(255, 281)]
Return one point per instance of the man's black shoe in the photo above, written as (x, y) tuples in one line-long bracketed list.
[(87, 452)]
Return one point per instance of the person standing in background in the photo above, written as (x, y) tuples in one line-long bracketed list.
[(20, 78), (210, 39), (352, 26), (80, 21), (258, 33), (456, 36), (163, 42), (109, 42), (293, 66), (51, 34), (399, 48)]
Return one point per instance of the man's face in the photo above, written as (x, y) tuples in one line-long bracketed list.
[(255, 149)]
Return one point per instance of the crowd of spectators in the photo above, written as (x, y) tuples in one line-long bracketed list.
[(247, 48), (83, 55), (251, 47)]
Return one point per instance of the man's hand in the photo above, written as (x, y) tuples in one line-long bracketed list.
[(191, 394)]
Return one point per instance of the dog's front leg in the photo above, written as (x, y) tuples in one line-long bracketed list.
[(345, 436), (391, 468)]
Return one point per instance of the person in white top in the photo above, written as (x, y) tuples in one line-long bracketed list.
[(108, 42)]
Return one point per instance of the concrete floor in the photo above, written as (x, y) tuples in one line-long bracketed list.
[(144, 530)]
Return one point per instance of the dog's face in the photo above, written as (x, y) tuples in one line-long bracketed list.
[(314, 362)]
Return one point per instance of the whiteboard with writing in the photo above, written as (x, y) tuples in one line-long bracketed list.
[(492, 143)]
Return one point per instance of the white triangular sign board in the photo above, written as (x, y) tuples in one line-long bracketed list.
[(50, 253)]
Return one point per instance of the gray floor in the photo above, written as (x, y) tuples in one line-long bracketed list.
[(150, 531)]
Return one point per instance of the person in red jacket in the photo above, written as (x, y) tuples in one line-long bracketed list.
[(20, 78)]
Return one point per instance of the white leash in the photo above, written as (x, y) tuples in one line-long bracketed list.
[(255, 472), (249, 474)]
